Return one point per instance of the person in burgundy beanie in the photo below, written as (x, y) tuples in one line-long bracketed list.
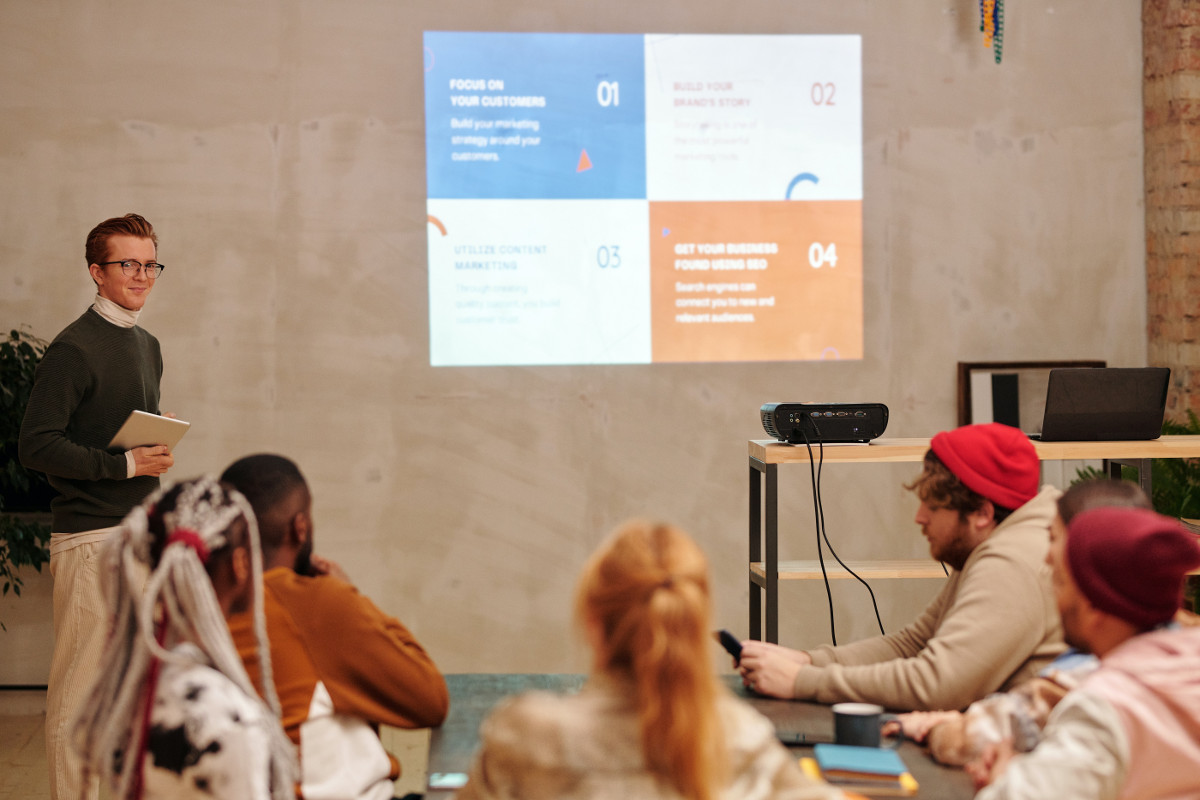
[(1132, 728), (1102, 546), (993, 625)]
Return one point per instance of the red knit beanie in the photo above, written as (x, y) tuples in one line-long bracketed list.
[(994, 460), (1130, 562)]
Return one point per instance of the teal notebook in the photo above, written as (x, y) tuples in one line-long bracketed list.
[(871, 770), (859, 760)]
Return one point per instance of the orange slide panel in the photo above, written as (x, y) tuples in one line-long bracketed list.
[(756, 281)]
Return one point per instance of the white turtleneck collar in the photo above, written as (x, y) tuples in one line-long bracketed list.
[(117, 315)]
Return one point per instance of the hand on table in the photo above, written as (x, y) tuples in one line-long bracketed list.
[(798, 656), (769, 669), (153, 460), (917, 724)]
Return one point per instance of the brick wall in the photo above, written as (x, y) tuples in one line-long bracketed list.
[(1171, 94)]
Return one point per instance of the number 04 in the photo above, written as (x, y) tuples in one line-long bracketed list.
[(819, 254)]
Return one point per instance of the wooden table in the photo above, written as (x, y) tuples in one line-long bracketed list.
[(766, 455), (472, 696)]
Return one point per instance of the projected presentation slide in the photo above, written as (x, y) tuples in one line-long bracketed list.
[(629, 199)]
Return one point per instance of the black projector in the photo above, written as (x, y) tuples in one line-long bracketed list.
[(824, 422)]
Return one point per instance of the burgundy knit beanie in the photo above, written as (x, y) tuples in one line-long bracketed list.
[(994, 460), (1130, 562)]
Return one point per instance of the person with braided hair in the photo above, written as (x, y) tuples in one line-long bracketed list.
[(172, 712), (652, 721)]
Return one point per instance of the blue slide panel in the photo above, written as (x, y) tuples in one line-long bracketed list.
[(535, 115)]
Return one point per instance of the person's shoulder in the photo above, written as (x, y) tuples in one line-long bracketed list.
[(324, 585), (331, 596), (999, 561), (89, 328), (534, 722), (77, 332), (1024, 537), (762, 766), (744, 726), (203, 726), (285, 581), (1037, 514), (1172, 647), (532, 706), (145, 335), (192, 682)]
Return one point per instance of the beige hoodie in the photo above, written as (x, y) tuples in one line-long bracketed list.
[(994, 625)]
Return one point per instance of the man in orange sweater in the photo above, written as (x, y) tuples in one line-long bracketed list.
[(341, 666)]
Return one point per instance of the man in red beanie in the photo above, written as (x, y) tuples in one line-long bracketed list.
[(993, 625), (1132, 728)]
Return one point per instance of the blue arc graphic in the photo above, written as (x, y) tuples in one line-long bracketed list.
[(803, 176)]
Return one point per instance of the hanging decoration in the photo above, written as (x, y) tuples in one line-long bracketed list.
[(991, 23)]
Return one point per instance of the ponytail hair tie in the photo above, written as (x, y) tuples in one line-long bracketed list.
[(189, 538)]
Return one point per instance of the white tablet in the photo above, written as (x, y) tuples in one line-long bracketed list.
[(143, 430)]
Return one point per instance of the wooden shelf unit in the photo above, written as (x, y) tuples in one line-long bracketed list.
[(767, 454), (811, 570)]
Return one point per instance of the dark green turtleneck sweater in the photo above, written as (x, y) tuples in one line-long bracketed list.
[(93, 374)]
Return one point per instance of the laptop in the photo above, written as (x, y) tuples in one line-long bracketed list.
[(1104, 404)]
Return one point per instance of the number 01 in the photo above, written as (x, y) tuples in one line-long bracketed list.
[(608, 93)]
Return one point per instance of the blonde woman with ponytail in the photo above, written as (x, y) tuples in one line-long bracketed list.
[(172, 712), (652, 721)]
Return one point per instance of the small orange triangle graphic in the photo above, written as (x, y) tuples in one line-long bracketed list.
[(584, 161)]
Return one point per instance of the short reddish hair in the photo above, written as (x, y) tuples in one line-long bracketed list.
[(96, 246)]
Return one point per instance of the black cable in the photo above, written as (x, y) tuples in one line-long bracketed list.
[(817, 519), (820, 509)]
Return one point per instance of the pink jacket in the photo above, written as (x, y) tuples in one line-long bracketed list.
[(1153, 681)]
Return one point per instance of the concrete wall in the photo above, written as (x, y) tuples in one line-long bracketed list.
[(278, 148)]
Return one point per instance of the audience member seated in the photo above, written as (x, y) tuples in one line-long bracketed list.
[(1132, 728), (342, 666), (172, 713), (652, 720), (1019, 716), (991, 627)]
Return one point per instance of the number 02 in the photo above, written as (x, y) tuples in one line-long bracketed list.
[(822, 94)]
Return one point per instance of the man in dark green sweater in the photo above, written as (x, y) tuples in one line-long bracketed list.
[(99, 369)]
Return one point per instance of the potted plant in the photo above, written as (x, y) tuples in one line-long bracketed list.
[(24, 496)]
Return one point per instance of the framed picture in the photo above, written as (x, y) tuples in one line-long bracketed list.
[(1012, 392)]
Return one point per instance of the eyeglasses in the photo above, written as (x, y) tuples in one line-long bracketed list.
[(152, 270)]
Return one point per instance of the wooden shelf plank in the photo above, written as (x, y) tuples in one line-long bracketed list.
[(811, 570), (770, 451)]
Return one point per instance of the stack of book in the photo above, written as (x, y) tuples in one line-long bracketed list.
[(872, 771)]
